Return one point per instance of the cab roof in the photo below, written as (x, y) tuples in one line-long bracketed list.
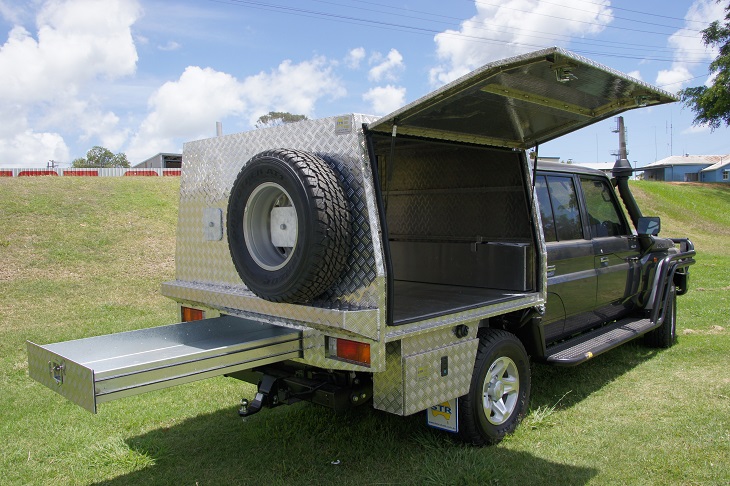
[(523, 101)]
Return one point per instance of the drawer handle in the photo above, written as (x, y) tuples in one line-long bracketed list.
[(57, 371)]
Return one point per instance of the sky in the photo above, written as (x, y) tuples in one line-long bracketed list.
[(145, 76)]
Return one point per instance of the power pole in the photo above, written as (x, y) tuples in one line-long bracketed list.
[(622, 152)]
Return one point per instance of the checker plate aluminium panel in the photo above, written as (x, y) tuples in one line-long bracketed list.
[(205, 272), (414, 378)]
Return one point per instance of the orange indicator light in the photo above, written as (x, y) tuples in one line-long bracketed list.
[(190, 314)]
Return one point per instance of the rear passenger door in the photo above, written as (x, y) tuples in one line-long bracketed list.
[(571, 273), (615, 247)]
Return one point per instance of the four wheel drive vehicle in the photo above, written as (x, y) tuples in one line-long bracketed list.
[(413, 262)]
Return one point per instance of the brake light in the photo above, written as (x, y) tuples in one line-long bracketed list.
[(351, 351), (190, 314)]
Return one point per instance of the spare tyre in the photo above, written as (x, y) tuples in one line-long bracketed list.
[(288, 226)]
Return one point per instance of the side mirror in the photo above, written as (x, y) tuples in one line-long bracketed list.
[(649, 225)]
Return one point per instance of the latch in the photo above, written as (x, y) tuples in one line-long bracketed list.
[(57, 370), (564, 72), (479, 241)]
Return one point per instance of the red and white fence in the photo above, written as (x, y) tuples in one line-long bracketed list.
[(90, 172)]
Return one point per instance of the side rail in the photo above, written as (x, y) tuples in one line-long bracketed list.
[(665, 273)]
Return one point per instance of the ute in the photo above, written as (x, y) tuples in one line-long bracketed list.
[(415, 262)]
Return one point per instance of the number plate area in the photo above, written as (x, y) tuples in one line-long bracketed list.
[(444, 416)]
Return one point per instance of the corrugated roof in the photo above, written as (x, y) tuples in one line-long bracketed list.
[(724, 160), (688, 160)]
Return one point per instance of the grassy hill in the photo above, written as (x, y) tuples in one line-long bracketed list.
[(82, 257)]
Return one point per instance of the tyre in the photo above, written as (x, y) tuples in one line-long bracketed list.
[(665, 335), (500, 389), (288, 226)]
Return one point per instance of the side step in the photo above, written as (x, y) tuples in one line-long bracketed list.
[(586, 346), (104, 368)]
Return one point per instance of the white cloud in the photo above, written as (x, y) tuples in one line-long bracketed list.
[(688, 46), (292, 87), (13, 12), (512, 27), (355, 57), (189, 107), (78, 42), (32, 149), (386, 68), (635, 74), (673, 79), (695, 129), (170, 46), (385, 99)]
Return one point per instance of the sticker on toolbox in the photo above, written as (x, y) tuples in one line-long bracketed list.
[(445, 415)]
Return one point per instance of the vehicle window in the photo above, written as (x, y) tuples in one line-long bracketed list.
[(603, 215), (565, 208), (546, 210)]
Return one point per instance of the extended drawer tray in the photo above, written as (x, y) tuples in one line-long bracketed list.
[(104, 368)]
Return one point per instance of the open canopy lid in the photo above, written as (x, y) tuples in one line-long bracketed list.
[(523, 101)]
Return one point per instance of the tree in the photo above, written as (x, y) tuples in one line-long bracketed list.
[(712, 104), (276, 118), (101, 157)]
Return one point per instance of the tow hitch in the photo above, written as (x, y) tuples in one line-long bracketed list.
[(277, 386), (267, 394)]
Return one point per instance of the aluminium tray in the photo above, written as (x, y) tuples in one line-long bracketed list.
[(103, 368)]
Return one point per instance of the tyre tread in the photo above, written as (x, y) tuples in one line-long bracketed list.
[(663, 337), (329, 252), (469, 429)]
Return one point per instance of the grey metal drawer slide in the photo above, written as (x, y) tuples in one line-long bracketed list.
[(103, 368)]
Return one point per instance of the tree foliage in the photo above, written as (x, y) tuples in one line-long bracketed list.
[(712, 104), (276, 118), (101, 157)]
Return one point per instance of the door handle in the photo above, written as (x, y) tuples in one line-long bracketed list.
[(604, 261), (551, 270)]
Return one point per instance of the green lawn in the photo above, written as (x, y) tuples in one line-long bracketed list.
[(82, 257)]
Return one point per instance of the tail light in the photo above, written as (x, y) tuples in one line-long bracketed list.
[(189, 314), (350, 351)]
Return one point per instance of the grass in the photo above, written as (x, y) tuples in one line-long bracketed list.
[(82, 257)]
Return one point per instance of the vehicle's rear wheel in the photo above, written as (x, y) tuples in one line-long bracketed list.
[(288, 226), (665, 335), (500, 389)]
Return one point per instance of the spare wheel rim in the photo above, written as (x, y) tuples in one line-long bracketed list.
[(270, 205)]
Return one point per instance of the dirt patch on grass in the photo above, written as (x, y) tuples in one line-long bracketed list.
[(712, 330)]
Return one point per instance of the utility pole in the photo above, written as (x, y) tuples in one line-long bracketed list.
[(622, 152)]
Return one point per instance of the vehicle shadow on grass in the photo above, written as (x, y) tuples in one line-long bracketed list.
[(307, 444), (562, 387)]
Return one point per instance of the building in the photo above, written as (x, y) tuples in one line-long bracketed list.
[(162, 161), (690, 168), (606, 167), (718, 172)]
